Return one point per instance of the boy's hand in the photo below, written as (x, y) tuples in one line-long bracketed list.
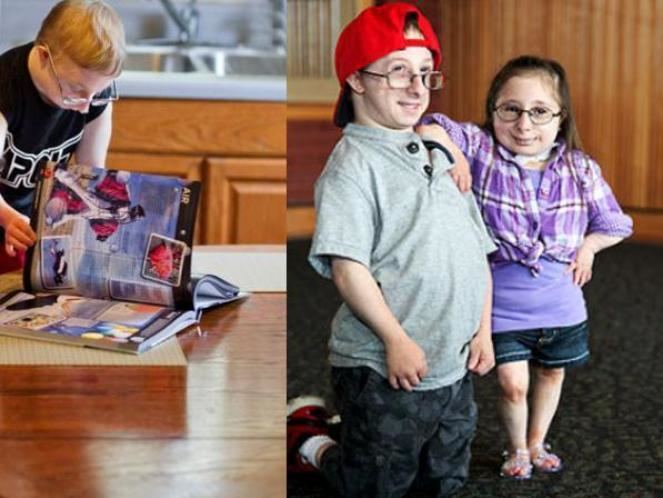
[(18, 232), (406, 363), (582, 266), (460, 173), (482, 355)]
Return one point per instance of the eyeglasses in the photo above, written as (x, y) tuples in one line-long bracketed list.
[(95, 100), (538, 115), (399, 79)]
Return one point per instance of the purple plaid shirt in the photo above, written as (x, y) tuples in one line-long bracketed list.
[(572, 201)]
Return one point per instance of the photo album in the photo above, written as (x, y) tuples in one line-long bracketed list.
[(111, 267)]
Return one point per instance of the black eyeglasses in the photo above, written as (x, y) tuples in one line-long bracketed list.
[(399, 79), (538, 115), (95, 100)]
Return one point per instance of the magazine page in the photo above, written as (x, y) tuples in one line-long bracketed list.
[(210, 291), (112, 234), (98, 323)]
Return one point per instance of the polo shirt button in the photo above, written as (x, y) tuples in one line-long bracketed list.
[(413, 147), (428, 169)]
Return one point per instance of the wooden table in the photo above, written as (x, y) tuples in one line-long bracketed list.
[(213, 429)]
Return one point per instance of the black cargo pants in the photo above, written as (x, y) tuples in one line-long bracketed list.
[(390, 437)]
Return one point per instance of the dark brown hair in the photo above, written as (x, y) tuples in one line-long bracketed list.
[(527, 65), (412, 23)]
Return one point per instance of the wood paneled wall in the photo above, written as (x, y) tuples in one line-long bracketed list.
[(311, 138), (612, 51)]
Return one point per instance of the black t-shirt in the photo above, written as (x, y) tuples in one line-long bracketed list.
[(36, 131)]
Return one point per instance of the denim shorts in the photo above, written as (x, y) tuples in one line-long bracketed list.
[(550, 348)]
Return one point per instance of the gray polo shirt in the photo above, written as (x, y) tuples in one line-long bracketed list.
[(382, 201)]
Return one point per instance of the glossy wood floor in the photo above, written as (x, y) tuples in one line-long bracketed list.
[(213, 429)]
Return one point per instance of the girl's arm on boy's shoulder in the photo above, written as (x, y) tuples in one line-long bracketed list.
[(93, 147), (406, 361), (460, 173), (467, 136), (462, 140)]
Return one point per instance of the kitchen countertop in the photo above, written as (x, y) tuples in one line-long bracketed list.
[(147, 84)]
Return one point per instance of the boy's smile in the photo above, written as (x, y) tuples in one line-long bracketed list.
[(378, 105)]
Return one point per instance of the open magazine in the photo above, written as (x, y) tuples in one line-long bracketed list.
[(111, 268)]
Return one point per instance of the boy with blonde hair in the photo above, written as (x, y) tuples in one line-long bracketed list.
[(55, 102)]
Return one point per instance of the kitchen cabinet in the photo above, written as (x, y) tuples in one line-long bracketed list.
[(237, 150), (249, 205)]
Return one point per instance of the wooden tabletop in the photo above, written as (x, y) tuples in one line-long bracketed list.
[(215, 428)]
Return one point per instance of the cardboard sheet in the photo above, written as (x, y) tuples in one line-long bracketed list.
[(15, 351), (251, 268)]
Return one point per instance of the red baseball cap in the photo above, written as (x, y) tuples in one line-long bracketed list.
[(373, 34)]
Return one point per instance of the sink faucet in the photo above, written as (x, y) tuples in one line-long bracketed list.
[(186, 19), (280, 21)]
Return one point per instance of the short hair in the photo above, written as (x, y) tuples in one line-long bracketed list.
[(374, 33), (89, 32), (529, 65), (412, 23)]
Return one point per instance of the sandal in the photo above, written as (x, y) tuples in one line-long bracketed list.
[(544, 461), (516, 465)]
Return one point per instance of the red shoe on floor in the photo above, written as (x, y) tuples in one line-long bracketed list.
[(307, 417)]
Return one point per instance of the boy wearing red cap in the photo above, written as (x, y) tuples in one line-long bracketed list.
[(407, 252)]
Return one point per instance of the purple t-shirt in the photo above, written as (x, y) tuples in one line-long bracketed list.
[(522, 301)]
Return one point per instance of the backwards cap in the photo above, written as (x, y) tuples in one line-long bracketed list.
[(373, 34)]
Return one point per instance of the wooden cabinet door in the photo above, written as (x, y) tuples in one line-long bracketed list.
[(187, 167), (245, 201)]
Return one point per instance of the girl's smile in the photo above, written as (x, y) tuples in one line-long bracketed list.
[(522, 136)]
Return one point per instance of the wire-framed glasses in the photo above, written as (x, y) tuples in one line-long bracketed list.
[(399, 79), (539, 115), (95, 100)]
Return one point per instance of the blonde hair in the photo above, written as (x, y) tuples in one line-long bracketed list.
[(89, 32)]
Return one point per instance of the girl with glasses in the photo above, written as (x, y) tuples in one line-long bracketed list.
[(549, 211), (55, 101)]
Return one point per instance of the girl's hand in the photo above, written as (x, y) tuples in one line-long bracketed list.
[(460, 173), (582, 266), (406, 363), (18, 232)]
